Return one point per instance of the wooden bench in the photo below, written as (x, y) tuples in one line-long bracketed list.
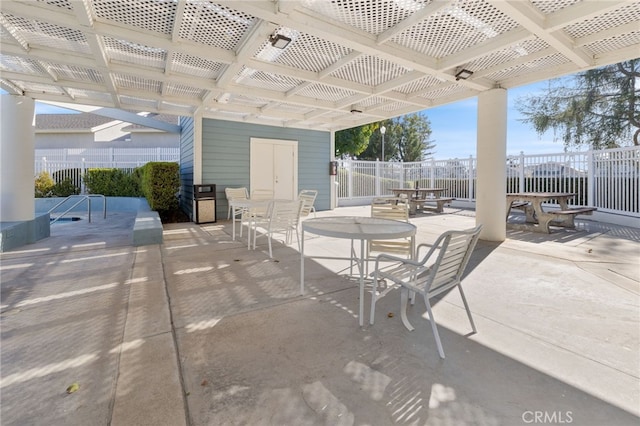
[(439, 208)]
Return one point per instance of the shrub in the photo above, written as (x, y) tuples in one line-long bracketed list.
[(160, 185), (112, 183), (65, 188), (44, 185)]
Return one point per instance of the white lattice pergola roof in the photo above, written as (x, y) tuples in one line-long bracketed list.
[(379, 58)]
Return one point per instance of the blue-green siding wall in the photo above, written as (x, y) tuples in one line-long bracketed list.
[(226, 160), (186, 164)]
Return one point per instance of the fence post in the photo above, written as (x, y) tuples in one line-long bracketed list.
[(432, 172), (590, 179), (521, 173), (471, 174), (83, 188), (349, 178), (377, 179), (158, 154)]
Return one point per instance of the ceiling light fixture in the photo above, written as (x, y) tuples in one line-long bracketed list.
[(463, 74), (279, 41)]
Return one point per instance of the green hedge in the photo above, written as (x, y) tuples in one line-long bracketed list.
[(160, 185), (113, 183)]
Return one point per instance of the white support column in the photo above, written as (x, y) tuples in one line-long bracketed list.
[(492, 158), (332, 179), (17, 168)]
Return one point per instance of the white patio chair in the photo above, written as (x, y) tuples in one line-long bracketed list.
[(262, 194), (282, 218), (308, 197), (235, 193), (395, 209), (428, 276)]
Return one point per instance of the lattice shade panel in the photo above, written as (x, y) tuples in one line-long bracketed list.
[(183, 91), (511, 53), (193, 65), (324, 92), (618, 18), (369, 70), (310, 53), (64, 4), (269, 80), (150, 15), (77, 73), (134, 53), (515, 71), (214, 25), (39, 33), (14, 63), (384, 57), (137, 83)]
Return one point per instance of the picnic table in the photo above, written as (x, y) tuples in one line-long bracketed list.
[(419, 197), (537, 219)]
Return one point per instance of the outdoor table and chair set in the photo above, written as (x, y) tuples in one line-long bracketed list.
[(423, 198), (400, 263)]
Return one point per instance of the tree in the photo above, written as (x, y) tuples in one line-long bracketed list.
[(414, 143), (406, 139), (354, 141), (599, 108)]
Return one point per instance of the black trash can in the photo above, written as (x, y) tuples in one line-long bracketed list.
[(204, 203)]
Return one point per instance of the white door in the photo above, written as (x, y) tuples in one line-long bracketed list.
[(274, 166)]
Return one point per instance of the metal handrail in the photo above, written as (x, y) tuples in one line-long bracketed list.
[(82, 198)]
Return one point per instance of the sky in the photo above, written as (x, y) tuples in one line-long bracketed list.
[(454, 127)]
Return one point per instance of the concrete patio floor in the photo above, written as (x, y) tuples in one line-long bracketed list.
[(201, 331)]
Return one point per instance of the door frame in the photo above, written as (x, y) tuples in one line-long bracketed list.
[(264, 141)]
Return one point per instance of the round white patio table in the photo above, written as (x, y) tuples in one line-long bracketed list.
[(355, 228)]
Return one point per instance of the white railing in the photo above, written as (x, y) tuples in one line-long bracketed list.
[(607, 179), (143, 155)]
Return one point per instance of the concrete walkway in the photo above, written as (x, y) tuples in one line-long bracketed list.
[(201, 331)]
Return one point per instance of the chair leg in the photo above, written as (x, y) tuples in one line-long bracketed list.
[(374, 294), (298, 239), (434, 327), (404, 299), (270, 253), (466, 306)]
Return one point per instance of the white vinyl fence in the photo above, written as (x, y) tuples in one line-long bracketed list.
[(73, 163), (607, 179)]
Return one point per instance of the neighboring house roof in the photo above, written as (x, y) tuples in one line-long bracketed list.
[(82, 121), (92, 122)]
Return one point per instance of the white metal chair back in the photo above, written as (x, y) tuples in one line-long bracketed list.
[(235, 193), (262, 194), (428, 276), (308, 198), (394, 209), (282, 218)]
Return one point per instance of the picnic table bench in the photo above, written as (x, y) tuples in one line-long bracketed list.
[(422, 198), (537, 219)]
